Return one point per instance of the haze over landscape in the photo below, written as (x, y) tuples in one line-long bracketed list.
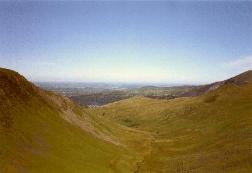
[(125, 86)]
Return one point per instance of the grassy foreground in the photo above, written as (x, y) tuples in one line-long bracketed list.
[(43, 132)]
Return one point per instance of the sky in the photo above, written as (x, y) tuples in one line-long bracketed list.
[(187, 42)]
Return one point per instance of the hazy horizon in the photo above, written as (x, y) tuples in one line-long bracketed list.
[(131, 83), (83, 84), (127, 42)]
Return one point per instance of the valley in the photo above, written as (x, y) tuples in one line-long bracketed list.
[(135, 86), (41, 131), (90, 95)]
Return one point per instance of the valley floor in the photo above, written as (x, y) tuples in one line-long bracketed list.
[(211, 133)]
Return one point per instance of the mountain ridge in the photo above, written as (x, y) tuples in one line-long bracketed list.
[(243, 78)]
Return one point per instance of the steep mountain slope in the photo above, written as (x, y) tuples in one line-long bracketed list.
[(209, 133), (35, 136)]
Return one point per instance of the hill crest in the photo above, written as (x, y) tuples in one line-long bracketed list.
[(12, 84), (241, 79)]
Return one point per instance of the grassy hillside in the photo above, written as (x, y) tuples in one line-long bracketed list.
[(34, 137), (44, 132), (243, 78), (211, 133)]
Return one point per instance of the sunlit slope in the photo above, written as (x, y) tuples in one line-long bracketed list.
[(210, 133), (43, 132), (35, 136)]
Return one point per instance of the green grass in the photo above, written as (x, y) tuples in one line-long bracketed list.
[(35, 138), (206, 134), (39, 140), (211, 133)]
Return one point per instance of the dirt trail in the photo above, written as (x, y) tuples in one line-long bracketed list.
[(140, 163)]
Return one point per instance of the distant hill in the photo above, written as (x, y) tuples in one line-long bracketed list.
[(110, 96), (100, 98), (243, 78)]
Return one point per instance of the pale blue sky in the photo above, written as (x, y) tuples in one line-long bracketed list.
[(173, 42)]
